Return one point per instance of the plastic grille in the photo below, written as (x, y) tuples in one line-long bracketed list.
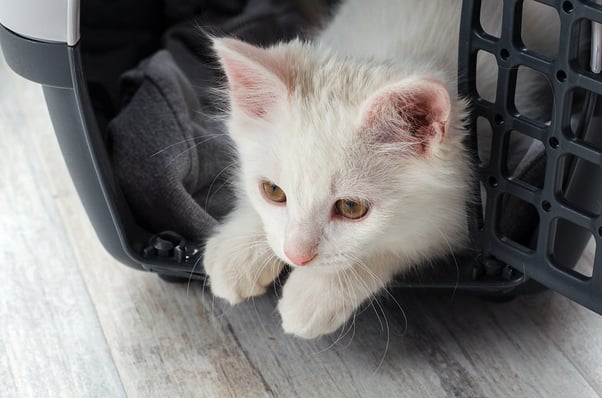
[(565, 224)]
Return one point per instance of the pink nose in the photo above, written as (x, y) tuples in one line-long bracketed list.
[(299, 258)]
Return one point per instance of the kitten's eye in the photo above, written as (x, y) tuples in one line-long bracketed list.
[(351, 209), (273, 192)]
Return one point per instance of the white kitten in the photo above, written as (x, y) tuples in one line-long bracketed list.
[(352, 163)]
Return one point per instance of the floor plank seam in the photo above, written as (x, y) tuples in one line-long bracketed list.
[(267, 387), (73, 251), (550, 340), (569, 358)]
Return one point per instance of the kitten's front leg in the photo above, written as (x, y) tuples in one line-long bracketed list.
[(238, 260), (317, 302)]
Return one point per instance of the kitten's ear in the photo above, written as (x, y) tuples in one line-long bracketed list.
[(257, 77), (414, 111)]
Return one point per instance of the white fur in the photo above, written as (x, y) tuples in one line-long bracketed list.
[(311, 144)]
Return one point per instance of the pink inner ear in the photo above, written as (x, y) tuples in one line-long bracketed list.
[(415, 111), (257, 77)]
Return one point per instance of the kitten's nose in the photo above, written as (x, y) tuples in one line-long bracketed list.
[(300, 258)]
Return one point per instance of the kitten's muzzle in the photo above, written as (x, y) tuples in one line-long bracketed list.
[(300, 258)]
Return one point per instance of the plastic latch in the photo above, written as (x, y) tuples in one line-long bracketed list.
[(492, 267), (508, 273), (166, 244)]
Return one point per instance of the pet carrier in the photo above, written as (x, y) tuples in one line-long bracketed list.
[(531, 226)]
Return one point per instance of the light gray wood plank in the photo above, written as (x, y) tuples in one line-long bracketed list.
[(163, 340), (7, 381), (512, 355), (575, 330), (466, 347), (51, 343), (350, 367)]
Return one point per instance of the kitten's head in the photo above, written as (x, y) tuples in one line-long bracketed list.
[(343, 159)]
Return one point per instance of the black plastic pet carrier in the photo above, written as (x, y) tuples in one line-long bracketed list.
[(530, 229)]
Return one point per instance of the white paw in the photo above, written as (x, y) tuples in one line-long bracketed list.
[(312, 305), (239, 269)]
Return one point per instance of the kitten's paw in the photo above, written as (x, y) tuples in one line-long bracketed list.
[(311, 305), (239, 269)]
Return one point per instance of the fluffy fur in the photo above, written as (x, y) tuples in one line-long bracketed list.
[(367, 110)]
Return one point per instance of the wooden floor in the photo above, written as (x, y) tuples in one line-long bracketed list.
[(75, 323)]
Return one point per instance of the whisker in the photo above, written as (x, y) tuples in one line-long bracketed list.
[(185, 141), (191, 148), (455, 262), (209, 196), (386, 350), (383, 287), (197, 262)]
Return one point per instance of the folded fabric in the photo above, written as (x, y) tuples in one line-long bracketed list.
[(172, 158), (166, 155)]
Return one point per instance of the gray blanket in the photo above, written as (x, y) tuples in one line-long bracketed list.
[(171, 158)]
